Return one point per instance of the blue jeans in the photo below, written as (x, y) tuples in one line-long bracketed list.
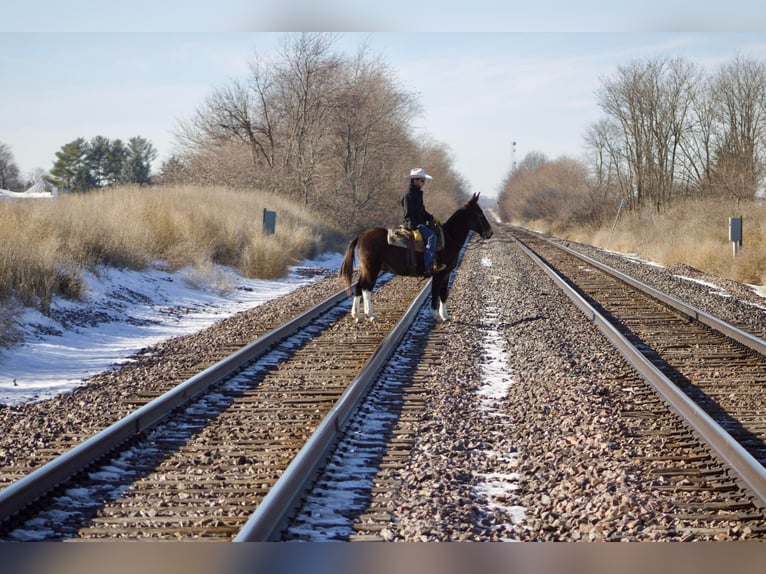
[(429, 237)]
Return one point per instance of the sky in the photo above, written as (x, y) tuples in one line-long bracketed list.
[(485, 77)]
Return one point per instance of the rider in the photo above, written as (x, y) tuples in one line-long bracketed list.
[(416, 217)]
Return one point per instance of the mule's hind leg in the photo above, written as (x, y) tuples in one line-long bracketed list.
[(356, 311), (367, 296), (362, 306), (356, 306)]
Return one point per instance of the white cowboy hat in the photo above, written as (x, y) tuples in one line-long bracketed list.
[(417, 173)]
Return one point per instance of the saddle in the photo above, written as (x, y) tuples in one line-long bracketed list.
[(413, 242), (403, 237)]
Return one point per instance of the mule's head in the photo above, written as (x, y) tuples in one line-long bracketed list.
[(476, 218)]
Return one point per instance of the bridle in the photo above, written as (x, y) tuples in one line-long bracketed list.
[(474, 243)]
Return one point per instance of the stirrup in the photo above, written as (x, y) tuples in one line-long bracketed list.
[(434, 270)]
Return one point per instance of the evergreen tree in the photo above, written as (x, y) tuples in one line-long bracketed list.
[(139, 154), (115, 161), (98, 160), (72, 168), (100, 163)]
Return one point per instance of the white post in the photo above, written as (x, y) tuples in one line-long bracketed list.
[(623, 203)]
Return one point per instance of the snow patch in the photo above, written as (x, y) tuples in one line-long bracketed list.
[(497, 487), (125, 311)]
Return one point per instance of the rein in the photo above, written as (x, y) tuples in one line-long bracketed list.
[(475, 244), (450, 235)]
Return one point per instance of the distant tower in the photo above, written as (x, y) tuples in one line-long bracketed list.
[(513, 156)]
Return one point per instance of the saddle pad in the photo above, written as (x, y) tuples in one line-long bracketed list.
[(401, 237)]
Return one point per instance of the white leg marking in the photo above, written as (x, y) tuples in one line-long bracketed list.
[(367, 296), (356, 308), (435, 315), (443, 311)]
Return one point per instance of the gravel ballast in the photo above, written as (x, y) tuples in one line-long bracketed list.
[(546, 461)]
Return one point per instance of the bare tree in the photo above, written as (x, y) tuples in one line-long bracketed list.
[(679, 80), (739, 91), (557, 192), (603, 143), (9, 171), (308, 83), (230, 115), (371, 118), (700, 140), (280, 113), (519, 186), (619, 97), (320, 128), (651, 102), (347, 124)]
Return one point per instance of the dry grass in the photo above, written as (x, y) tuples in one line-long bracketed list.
[(697, 234), (45, 244)]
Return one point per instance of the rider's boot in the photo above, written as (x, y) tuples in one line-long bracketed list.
[(435, 268)]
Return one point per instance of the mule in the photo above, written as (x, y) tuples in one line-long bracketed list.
[(374, 255)]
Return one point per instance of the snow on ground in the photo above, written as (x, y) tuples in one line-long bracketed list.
[(124, 312), (7, 194), (712, 287), (496, 381)]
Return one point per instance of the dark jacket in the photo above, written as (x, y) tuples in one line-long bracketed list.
[(413, 211)]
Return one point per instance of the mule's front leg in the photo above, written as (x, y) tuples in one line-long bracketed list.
[(443, 311), (439, 313), (435, 315), (438, 306)]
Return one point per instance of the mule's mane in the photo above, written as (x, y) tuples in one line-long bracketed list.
[(473, 201)]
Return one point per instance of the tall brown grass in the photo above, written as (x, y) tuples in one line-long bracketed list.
[(46, 244), (695, 233)]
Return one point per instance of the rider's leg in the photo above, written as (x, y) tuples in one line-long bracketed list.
[(429, 237)]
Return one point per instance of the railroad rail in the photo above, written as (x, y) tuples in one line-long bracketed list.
[(260, 454), (712, 373), (300, 380), (690, 482)]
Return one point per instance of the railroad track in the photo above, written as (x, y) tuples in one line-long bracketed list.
[(200, 471), (720, 370), (712, 496), (235, 469)]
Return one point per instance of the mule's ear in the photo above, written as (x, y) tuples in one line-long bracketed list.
[(475, 197)]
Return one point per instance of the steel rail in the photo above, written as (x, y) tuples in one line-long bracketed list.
[(739, 460), (272, 514), (26, 490), (748, 339)]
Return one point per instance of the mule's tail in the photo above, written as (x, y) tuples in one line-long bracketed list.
[(346, 272)]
